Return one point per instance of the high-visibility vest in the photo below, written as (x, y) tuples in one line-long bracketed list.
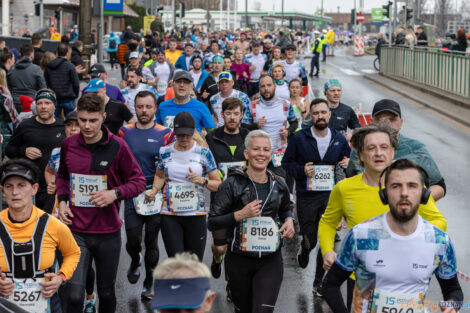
[(320, 45)]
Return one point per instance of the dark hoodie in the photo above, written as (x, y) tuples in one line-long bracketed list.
[(24, 78), (62, 77), (76, 58)]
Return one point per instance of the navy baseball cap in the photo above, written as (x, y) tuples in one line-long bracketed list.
[(188, 293), (95, 84)]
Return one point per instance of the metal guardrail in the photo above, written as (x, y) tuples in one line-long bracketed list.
[(438, 68)]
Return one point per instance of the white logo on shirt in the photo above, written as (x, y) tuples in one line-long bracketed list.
[(151, 140), (104, 163), (58, 135), (173, 287)]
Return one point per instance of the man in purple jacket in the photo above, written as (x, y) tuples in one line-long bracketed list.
[(97, 170)]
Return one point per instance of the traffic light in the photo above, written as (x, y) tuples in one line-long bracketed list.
[(353, 16), (409, 14), (182, 9), (386, 8), (57, 14), (37, 9)]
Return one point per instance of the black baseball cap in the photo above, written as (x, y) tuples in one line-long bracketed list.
[(386, 105), (184, 124), (256, 43), (182, 74), (21, 168), (71, 116), (291, 46), (97, 69)]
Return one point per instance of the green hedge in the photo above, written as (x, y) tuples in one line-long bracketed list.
[(136, 22)]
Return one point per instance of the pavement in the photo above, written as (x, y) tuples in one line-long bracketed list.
[(447, 140)]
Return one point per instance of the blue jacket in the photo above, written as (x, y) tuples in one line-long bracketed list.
[(181, 63), (203, 77), (302, 148)]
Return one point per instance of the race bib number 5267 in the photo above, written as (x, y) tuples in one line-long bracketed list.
[(27, 295)]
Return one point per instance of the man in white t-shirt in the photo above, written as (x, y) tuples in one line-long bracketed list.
[(134, 75), (395, 254), (313, 157), (225, 83), (162, 69), (198, 74), (256, 61)]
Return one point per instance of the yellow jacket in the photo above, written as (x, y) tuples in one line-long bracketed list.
[(57, 236), (330, 35)]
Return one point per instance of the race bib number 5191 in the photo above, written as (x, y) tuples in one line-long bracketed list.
[(81, 187)]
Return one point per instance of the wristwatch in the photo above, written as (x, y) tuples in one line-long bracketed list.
[(206, 181), (118, 193)]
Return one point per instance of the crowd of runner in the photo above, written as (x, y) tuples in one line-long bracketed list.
[(210, 132)]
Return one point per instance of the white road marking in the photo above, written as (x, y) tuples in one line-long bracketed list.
[(350, 72), (368, 71)]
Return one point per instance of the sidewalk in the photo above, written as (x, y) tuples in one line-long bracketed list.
[(456, 109)]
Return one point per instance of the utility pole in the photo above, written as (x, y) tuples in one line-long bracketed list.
[(395, 14), (246, 13), (361, 10), (282, 14), (173, 5), (5, 17), (100, 34), (84, 30), (208, 15), (41, 14)]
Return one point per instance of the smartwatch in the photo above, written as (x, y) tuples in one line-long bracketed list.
[(118, 193)]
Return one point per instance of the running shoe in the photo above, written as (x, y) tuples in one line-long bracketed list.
[(147, 290), (133, 273), (317, 290), (90, 306), (303, 258), (216, 268)]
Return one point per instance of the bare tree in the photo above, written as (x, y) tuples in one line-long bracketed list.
[(465, 8), (443, 9), (419, 7)]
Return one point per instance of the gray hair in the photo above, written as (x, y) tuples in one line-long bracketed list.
[(255, 134)]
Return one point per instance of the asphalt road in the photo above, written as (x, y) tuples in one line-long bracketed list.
[(447, 141)]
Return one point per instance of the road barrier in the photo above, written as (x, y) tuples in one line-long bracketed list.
[(437, 68)]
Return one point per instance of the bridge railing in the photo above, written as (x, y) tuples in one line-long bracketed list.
[(437, 68)]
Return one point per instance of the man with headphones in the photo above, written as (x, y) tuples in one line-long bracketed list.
[(357, 198), (396, 253)]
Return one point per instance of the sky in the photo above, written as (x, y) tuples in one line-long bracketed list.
[(311, 6)]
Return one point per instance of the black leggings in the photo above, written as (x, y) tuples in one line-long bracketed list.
[(105, 250), (134, 226), (254, 283), (184, 233)]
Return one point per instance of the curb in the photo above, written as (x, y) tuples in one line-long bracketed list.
[(434, 107)]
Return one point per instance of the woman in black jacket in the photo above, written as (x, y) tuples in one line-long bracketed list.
[(250, 206)]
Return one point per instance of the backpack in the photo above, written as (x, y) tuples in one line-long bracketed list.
[(112, 44)]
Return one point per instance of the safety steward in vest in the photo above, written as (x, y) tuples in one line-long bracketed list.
[(29, 238)]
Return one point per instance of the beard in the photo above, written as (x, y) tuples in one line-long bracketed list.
[(321, 126), (232, 126), (403, 216), (145, 119), (268, 95)]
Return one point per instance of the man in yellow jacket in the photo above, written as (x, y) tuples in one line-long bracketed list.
[(316, 49), (357, 198), (330, 35)]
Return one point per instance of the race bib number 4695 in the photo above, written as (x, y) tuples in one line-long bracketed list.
[(182, 197), (323, 179), (27, 295), (260, 233), (81, 187)]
